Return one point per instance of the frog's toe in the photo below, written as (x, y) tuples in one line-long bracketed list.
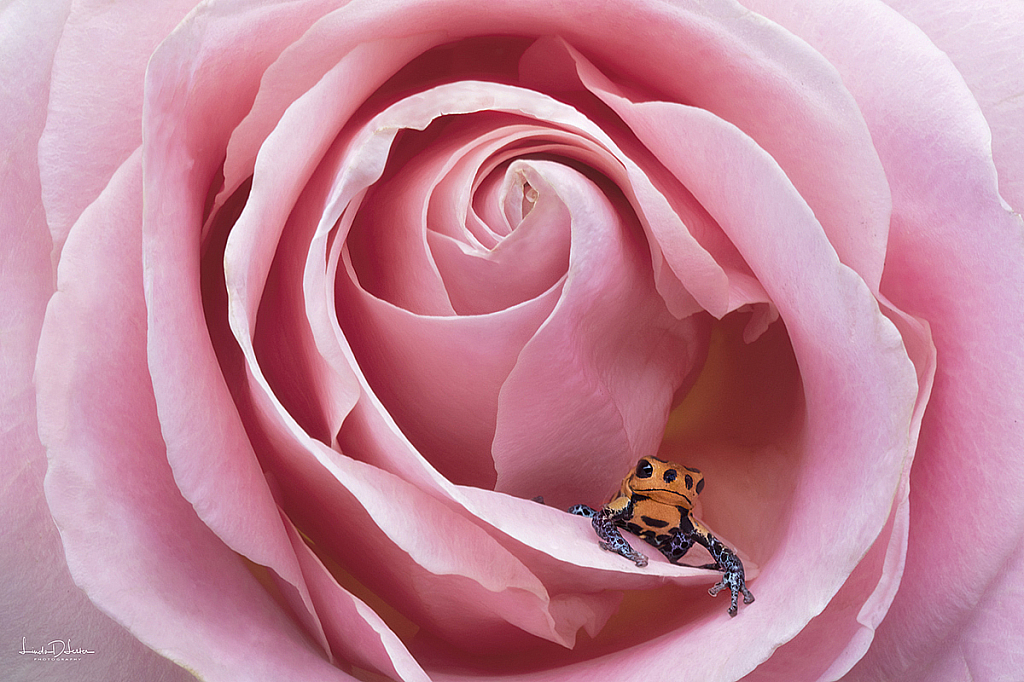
[(721, 585), (736, 584), (624, 549)]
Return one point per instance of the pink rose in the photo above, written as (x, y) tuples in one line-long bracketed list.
[(306, 303)]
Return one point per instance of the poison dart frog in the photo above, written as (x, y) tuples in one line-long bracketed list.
[(655, 502)]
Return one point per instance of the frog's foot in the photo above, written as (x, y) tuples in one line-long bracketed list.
[(620, 546), (612, 540), (733, 579)]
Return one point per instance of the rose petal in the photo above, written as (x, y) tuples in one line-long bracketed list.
[(365, 161), (836, 329), (838, 637), (934, 145), (801, 106), (372, 432), (205, 439), (707, 135), (594, 384), (981, 38), (988, 645), (111, 493), (40, 602), (96, 94), (448, 177), (403, 553), (355, 631), (352, 70), (466, 358)]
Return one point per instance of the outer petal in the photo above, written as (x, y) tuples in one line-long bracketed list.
[(95, 108), (206, 442), (956, 258), (38, 599), (982, 38), (109, 485), (989, 645)]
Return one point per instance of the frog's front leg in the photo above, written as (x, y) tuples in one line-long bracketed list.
[(725, 561), (731, 565), (610, 538)]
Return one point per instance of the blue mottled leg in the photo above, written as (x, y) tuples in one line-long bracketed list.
[(725, 561), (608, 533), (731, 565), (582, 510)]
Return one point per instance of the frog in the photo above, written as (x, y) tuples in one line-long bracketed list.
[(655, 502)]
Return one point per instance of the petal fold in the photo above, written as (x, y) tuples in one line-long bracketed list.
[(109, 487)]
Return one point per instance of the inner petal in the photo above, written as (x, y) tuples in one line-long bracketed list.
[(531, 259)]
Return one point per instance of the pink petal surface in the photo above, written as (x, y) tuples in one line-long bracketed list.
[(418, 111), (39, 600), (443, 179), (108, 485), (375, 501), (385, 447), (935, 148), (839, 624), (823, 471), (600, 40), (443, 571), (883, 517), (360, 65), (96, 94), (355, 631), (888, 340), (391, 557), (342, 490), (498, 524), (595, 382), (371, 432), (205, 439), (988, 645), (461, 360), (838, 637), (816, 351), (982, 38), (720, 58)]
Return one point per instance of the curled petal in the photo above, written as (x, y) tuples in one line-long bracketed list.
[(109, 487), (946, 211)]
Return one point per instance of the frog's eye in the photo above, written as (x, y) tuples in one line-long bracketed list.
[(644, 469), (700, 486), (670, 475), (689, 481)]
